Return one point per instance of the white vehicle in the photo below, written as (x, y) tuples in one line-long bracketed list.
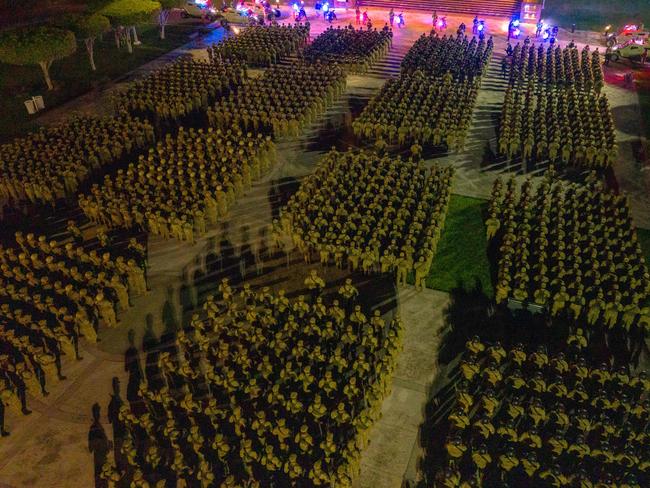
[(235, 16), (632, 50), (200, 10)]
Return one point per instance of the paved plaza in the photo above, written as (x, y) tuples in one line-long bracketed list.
[(49, 448)]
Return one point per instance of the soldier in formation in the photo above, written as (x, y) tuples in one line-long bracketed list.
[(51, 295), (356, 49), (182, 186), (567, 126), (436, 56), (420, 109), (180, 92), (527, 418), (370, 213), (258, 390), (556, 66), (261, 45), (51, 163), (281, 102), (573, 250)]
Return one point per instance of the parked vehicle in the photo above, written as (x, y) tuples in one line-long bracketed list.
[(632, 50), (628, 32), (199, 10)]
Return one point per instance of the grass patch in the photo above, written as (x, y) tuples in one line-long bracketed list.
[(596, 14), (72, 76), (462, 251)]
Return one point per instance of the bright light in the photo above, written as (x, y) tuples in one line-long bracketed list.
[(607, 28), (440, 23), (505, 26), (515, 22), (546, 35), (295, 7), (201, 3), (235, 30), (481, 27), (516, 32), (326, 7), (398, 20)]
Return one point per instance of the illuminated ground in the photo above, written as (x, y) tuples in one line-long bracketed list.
[(49, 448)]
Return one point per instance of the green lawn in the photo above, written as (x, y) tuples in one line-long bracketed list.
[(72, 76), (462, 251), (596, 14)]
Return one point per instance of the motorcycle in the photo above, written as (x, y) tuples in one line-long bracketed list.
[(272, 13), (300, 15), (330, 16)]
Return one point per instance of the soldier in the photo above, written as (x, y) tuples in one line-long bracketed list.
[(121, 292), (421, 270), (106, 311), (314, 284), (507, 462), (349, 293), (136, 279)]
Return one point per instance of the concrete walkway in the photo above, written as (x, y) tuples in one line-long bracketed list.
[(395, 436)]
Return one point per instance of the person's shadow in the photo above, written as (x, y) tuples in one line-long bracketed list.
[(213, 260), (169, 316), (187, 295), (280, 192), (466, 315), (99, 446)]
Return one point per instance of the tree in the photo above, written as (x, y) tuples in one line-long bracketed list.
[(89, 28), (166, 7), (125, 14), (40, 45)]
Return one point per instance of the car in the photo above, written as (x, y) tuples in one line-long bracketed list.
[(200, 10), (632, 50), (234, 16), (629, 31)]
